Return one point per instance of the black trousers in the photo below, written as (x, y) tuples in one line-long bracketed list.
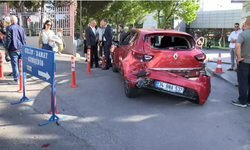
[(243, 75), (93, 56), (100, 49), (107, 54)]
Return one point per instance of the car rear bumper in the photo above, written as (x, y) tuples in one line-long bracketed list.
[(196, 90)]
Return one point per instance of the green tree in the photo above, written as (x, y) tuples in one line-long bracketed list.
[(125, 12), (20, 6), (184, 9), (90, 10)]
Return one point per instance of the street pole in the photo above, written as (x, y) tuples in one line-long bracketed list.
[(80, 19)]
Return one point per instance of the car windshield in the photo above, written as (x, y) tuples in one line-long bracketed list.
[(170, 42)]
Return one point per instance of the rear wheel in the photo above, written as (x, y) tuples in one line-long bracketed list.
[(129, 90)]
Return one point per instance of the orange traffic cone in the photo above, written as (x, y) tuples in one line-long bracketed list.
[(20, 77), (103, 58), (88, 65), (219, 68), (1, 66), (73, 74)]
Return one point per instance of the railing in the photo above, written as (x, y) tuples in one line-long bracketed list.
[(30, 21)]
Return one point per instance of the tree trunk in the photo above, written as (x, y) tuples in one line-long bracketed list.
[(164, 19), (158, 16)]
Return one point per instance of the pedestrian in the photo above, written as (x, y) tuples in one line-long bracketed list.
[(45, 36), (100, 31), (242, 48), (3, 28), (209, 44), (91, 38), (15, 39), (85, 47), (107, 42), (60, 35), (243, 26), (170, 28), (232, 39), (122, 33)]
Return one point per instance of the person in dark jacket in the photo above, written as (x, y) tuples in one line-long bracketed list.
[(122, 33), (15, 39), (107, 40), (91, 38), (3, 28)]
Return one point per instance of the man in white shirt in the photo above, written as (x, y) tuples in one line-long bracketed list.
[(232, 39), (100, 31)]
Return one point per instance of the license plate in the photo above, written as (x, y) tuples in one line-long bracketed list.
[(169, 87)]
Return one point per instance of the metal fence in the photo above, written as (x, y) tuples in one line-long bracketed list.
[(1, 11), (31, 21)]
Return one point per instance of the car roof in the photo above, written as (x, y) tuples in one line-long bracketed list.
[(159, 31)]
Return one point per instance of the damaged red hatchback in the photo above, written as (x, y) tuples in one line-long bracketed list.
[(164, 60)]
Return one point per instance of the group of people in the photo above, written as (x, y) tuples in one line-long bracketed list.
[(12, 37), (101, 38), (240, 56)]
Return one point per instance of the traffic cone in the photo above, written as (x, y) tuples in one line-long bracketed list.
[(1, 66), (20, 77), (88, 65), (73, 78), (219, 68), (103, 58)]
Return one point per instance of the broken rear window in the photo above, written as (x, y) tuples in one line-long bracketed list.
[(170, 42)]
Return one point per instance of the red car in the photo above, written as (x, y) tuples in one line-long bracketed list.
[(163, 60)]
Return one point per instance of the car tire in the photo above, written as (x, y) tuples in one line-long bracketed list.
[(114, 68), (130, 91)]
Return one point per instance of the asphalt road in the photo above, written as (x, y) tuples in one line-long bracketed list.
[(101, 117)]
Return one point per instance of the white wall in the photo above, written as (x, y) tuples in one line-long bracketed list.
[(149, 22), (245, 11), (179, 25), (33, 40), (216, 19)]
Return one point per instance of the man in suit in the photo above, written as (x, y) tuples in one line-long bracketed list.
[(122, 33), (91, 39), (107, 42)]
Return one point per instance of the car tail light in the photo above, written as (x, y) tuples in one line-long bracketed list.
[(200, 57), (148, 57), (142, 57), (137, 55)]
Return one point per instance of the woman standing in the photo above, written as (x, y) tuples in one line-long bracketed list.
[(85, 45), (45, 36), (60, 35)]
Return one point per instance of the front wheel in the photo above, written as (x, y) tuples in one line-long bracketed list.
[(129, 90), (114, 68)]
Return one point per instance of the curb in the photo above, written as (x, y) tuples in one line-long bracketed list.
[(216, 62), (211, 71), (214, 49)]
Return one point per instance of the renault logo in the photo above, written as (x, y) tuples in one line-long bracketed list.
[(175, 56)]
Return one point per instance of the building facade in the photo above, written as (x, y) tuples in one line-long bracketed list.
[(245, 12), (215, 21)]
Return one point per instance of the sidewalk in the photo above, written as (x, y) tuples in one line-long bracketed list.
[(212, 57), (213, 54), (229, 76), (19, 123)]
